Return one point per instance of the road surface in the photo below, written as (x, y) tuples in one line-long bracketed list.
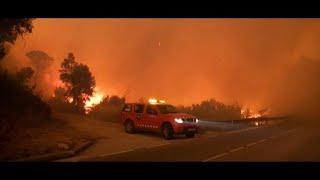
[(269, 143)]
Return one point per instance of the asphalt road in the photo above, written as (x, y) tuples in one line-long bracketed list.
[(269, 143)]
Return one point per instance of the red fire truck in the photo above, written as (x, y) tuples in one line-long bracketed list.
[(158, 116)]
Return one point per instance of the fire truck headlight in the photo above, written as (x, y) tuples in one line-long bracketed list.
[(197, 120), (178, 120)]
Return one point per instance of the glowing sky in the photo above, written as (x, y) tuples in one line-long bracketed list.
[(182, 61)]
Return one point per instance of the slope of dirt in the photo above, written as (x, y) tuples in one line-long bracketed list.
[(46, 137)]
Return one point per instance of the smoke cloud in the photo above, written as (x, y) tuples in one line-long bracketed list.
[(260, 63)]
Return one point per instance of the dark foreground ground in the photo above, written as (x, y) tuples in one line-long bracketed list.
[(284, 142)]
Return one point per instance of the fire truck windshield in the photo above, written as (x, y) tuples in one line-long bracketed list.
[(166, 108)]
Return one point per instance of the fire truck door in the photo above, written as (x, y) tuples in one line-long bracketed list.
[(151, 118), (139, 115)]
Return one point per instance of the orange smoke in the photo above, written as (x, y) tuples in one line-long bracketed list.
[(245, 61)]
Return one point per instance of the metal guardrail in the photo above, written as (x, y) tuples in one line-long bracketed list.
[(256, 119), (239, 124)]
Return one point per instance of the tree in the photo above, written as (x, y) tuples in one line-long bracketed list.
[(44, 75), (263, 112), (10, 29), (78, 80), (247, 113), (116, 100), (24, 75), (40, 61), (213, 110)]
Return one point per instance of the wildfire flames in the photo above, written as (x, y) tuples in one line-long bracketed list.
[(256, 115), (248, 113), (70, 99), (96, 98)]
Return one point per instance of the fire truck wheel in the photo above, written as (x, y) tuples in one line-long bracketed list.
[(167, 131), (190, 135), (129, 127)]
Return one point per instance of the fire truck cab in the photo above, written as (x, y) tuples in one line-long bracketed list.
[(158, 116)]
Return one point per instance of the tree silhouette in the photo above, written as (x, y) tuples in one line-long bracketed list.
[(108, 108), (116, 100), (213, 110), (247, 113), (40, 61), (78, 80), (10, 29), (24, 75)]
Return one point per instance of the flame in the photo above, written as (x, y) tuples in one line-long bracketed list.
[(256, 115), (70, 99), (251, 114), (95, 99)]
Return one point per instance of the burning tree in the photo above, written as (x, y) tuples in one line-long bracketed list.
[(78, 80), (246, 113)]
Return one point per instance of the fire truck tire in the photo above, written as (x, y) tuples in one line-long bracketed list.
[(129, 127), (167, 131), (190, 135)]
